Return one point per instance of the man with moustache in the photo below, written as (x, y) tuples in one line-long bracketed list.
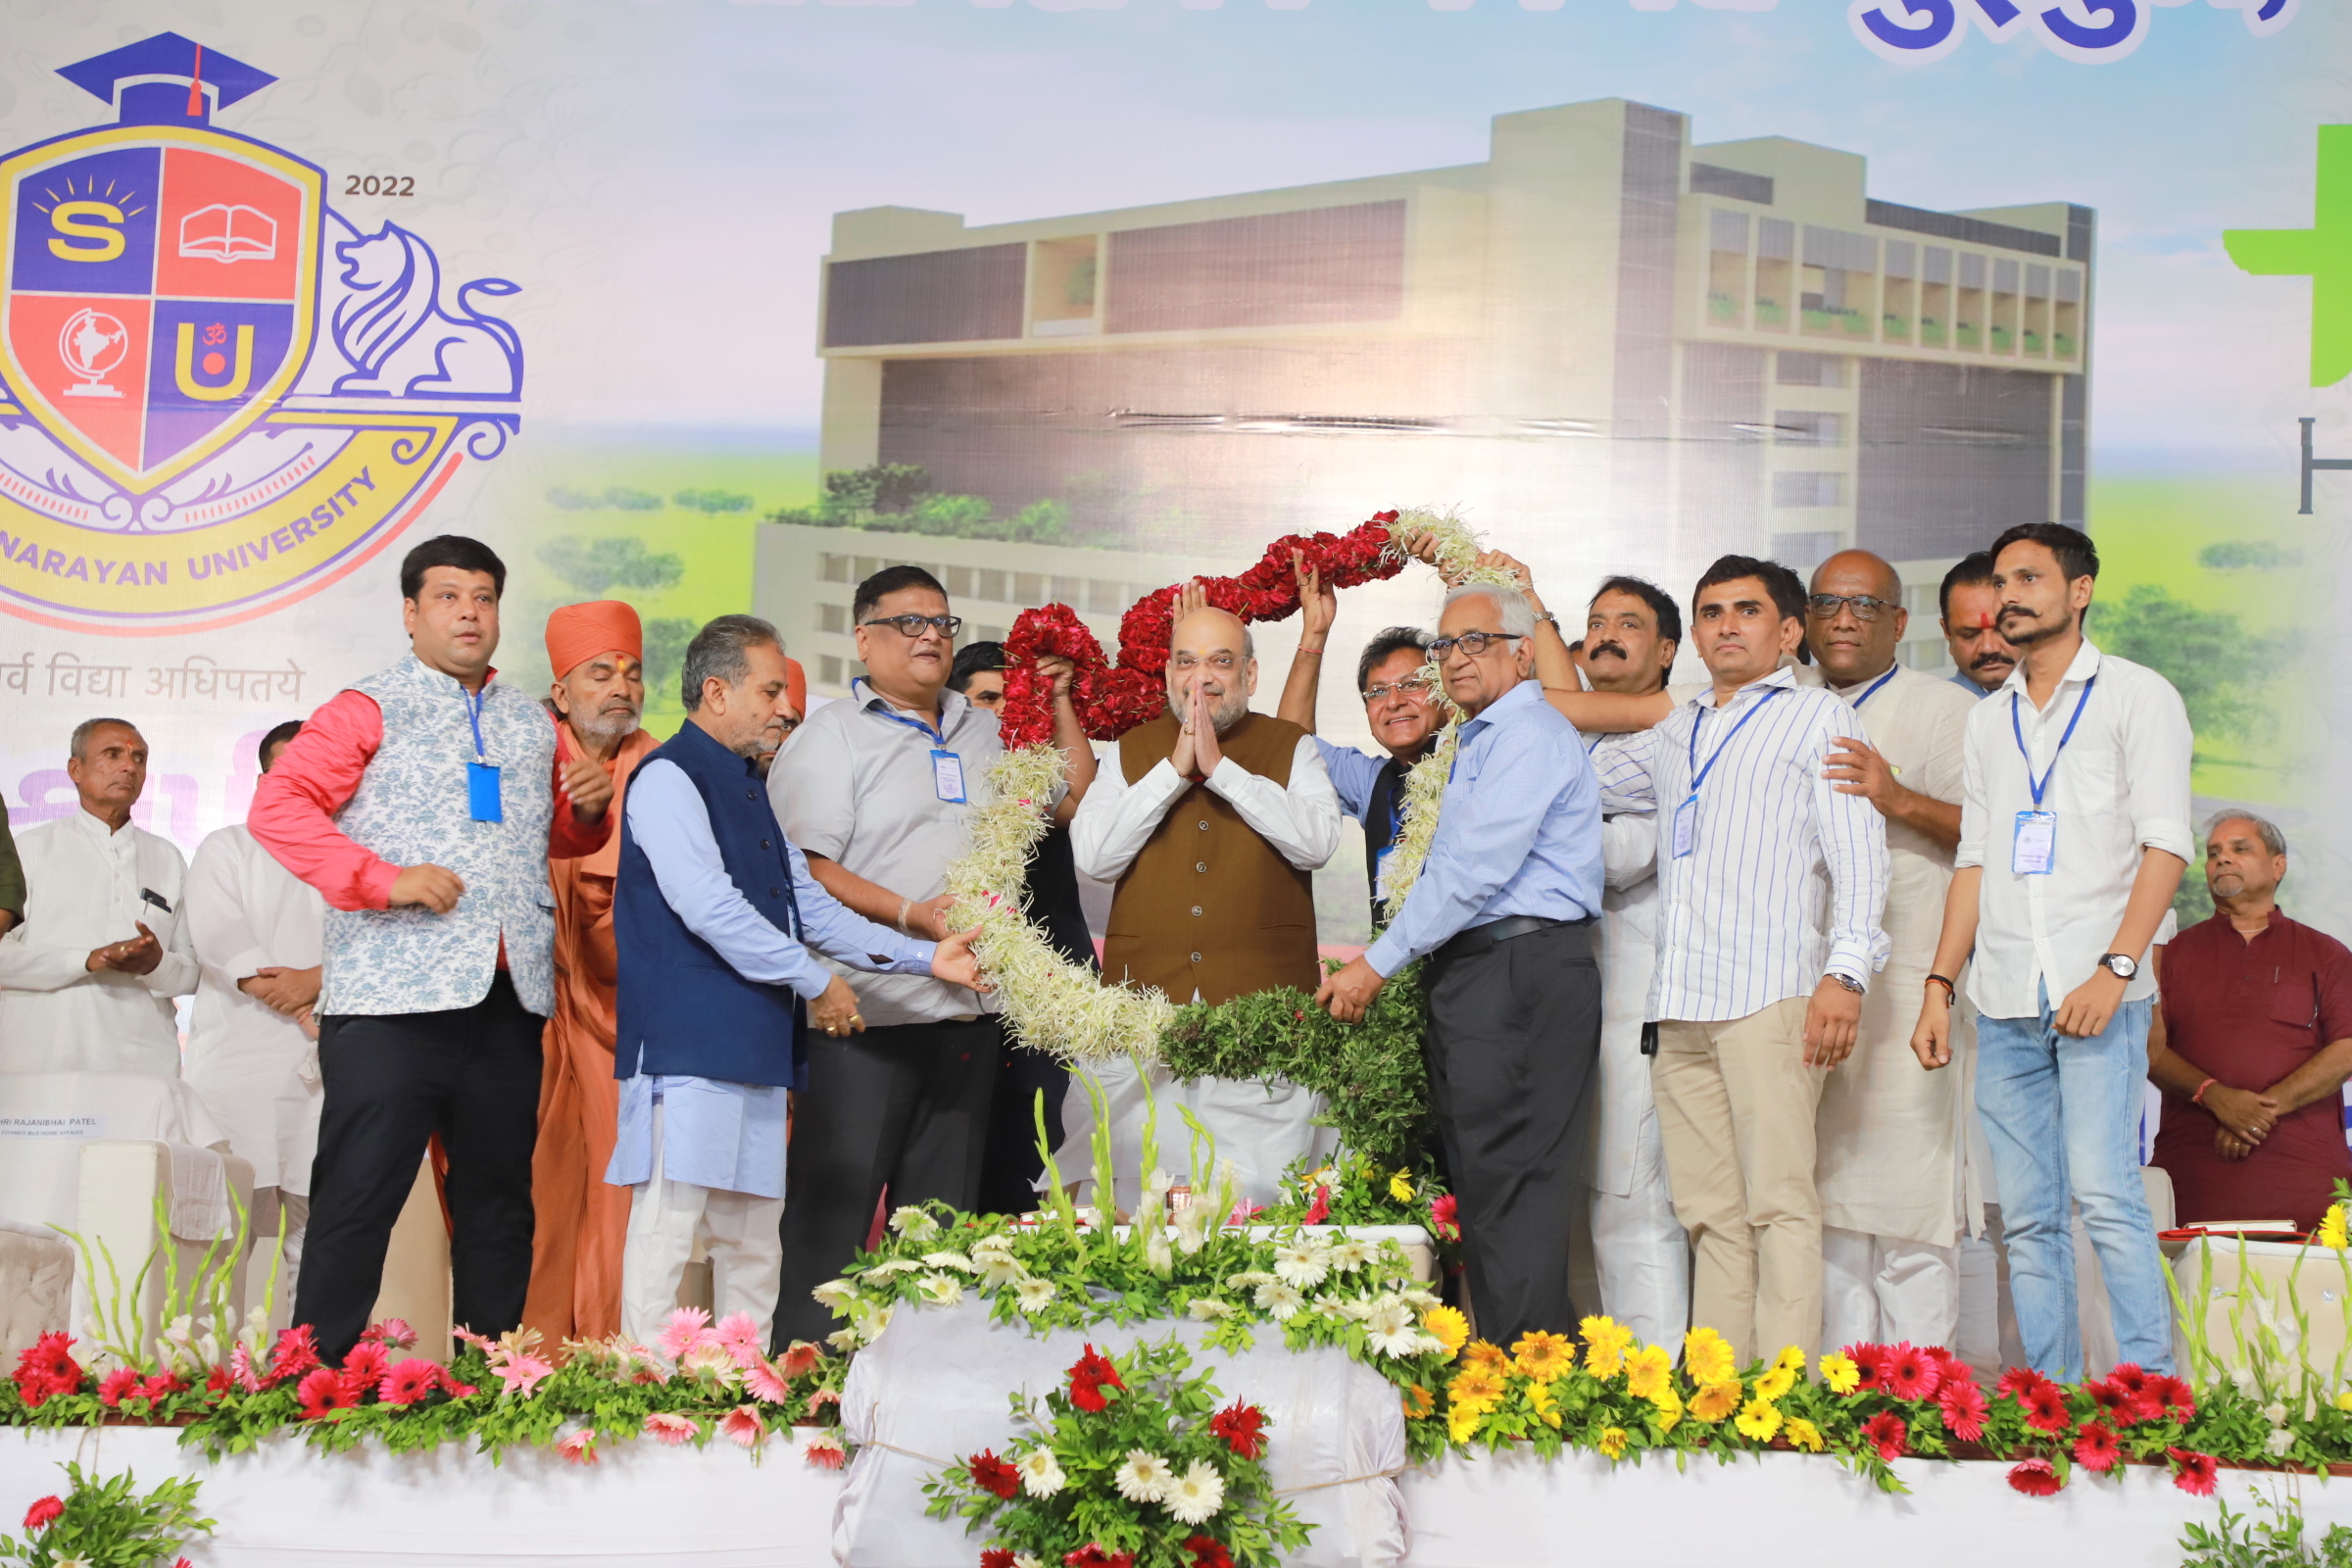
[(1970, 601), (1772, 887), (1892, 1139), (597, 653), (1212, 823), (2074, 836), (719, 923), (1503, 910), (2256, 1045), (423, 803), (1400, 709)]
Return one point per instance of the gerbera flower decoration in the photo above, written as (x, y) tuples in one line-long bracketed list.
[(1241, 1427), (2035, 1478)]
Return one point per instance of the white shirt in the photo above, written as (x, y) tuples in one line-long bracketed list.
[(1787, 878), (83, 889), (1629, 954), (251, 1064), (1301, 821), (2121, 787)]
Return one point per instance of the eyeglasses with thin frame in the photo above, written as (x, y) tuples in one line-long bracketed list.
[(1473, 642), (1867, 607), (1412, 687), (913, 625)]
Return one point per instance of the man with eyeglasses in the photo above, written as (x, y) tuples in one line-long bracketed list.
[(1211, 820), (874, 790), (1892, 1138), (1772, 882), (1400, 709), (1503, 910)]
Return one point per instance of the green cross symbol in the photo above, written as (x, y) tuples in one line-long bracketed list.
[(2322, 253)]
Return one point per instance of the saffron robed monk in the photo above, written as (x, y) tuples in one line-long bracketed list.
[(597, 653), (1212, 824)]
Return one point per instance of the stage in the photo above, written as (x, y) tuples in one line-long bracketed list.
[(285, 1505)]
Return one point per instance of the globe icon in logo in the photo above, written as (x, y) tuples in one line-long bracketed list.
[(91, 344)]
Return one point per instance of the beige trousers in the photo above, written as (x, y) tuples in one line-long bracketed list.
[(1736, 1106)]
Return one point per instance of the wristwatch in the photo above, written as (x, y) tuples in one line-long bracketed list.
[(2120, 964), (1847, 981)]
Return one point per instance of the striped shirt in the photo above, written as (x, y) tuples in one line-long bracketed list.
[(1787, 878)]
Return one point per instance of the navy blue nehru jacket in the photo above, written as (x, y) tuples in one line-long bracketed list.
[(684, 1009)]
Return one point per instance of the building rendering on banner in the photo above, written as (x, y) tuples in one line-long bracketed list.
[(1641, 352)]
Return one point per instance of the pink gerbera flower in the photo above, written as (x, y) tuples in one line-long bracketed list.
[(578, 1446), (117, 1386), (240, 1368), (685, 1330), (367, 1361), (739, 1337), (2095, 1447), (799, 1358), (321, 1390), (295, 1354), (410, 1380), (521, 1373), (670, 1428), (821, 1398), (1963, 1409), (825, 1450), (760, 1381), (1910, 1373), (741, 1426), (2035, 1478), (392, 1332)]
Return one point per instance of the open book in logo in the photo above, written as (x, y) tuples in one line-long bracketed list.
[(228, 232)]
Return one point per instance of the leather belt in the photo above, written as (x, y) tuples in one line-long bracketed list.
[(1479, 938)]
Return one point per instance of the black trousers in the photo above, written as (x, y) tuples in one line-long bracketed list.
[(904, 1108), (1008, 1171), (1513, 1051), (391, 1082)]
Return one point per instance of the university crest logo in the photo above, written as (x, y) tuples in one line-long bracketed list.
[(217, 394)]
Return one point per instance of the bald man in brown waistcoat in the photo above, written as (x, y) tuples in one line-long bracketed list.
[(1212, 824)]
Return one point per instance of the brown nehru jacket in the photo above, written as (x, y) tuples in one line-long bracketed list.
[(1209, 906)]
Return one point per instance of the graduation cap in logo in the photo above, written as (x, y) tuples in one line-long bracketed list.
[(166, 81)]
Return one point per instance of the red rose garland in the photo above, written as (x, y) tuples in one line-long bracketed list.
[(1113, 699)]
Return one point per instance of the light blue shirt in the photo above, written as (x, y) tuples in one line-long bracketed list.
[(1352, 775), (720, 1135), (1962, 681), (1519, 832)]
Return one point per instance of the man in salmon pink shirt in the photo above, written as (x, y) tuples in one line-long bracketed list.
[(423, 803)]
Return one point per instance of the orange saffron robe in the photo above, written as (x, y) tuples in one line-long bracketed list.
[(581, 1224)]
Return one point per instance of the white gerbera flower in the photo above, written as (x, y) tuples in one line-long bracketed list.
[(1208, 1309), (2274, 1413), (1391, 1329), (843, 1340), (872, 1324), (956, 1260), (1144, 1478), (897, 1265), (1032, 1295), (1418, 1299), (1355, 1308), (1040, 1475), (999, 1268), (1197, 1495), (838, 1295), (914, 1224), (1159, 1256), (1302, 1263), (1023, 1559), (1248, 1279), (1280, 1300), (940, 1291), (1348, 1256)]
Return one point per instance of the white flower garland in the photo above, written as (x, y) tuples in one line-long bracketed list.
[(1055, 1006)]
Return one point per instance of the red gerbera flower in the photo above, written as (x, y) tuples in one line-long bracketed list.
[(1886, 1433), (1871, 1361), (409, 1382), (43, 1512), (2179, 1402), (992, 1474), (1095, 1555), (296, 1353), (2127, 1377), (2045, 1408), (995, 1557), (1088, 1378), (47, 1368), (1243, 1427), (2111, 1398), (2193, 1473), (1320, 1209), (1963, 1409), (123, 1382), (369, 1361), (218, 1381), (1910, 1373), (322, 1390), (1208, 1552), (2095, 1447), (2034, 1478), (1441, 1218), (2016, 1382)]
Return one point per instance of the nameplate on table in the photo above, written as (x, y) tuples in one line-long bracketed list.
[(28, 1126)]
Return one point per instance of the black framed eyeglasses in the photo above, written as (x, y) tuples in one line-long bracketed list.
[(1473, 642), (1412, 686), (1867, 607), (913, 625)]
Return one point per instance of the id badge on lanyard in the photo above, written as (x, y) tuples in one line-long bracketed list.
[(947, 775), (1686, 827), (482, 799), (1685, 816), (2034, 847)]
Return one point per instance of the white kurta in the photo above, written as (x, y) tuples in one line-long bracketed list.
[(1892, 1135), (253, 1064), (84, 888)]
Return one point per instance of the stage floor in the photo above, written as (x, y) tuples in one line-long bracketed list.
[(285, 1506)]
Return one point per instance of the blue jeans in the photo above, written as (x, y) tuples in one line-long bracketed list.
[(2063, 1119)]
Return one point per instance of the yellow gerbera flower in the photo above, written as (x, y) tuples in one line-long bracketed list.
[(1760, 1420), (1791, 1356), (1476, 1385), (1648, 1372), (1538, 1399), (1419, 1404), (1612, 1443), (1481, 1353), (1541, 1355), (1449, 1326), (1838, 1371), (1776, 1381), (1605, 1342), (1803, 1434), (2343, 1400), (1715, 1401), (1669, 1407), (2333, 1233), (1707, 1357), (1400, 1187), (1462, 1420)]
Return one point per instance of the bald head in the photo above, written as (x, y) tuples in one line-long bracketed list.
[(1857, 640), (1213, 648)]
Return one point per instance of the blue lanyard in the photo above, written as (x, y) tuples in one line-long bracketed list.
[(1700, 777), (2018, 730), (937, 737), (1874, 688), (474, 717)]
